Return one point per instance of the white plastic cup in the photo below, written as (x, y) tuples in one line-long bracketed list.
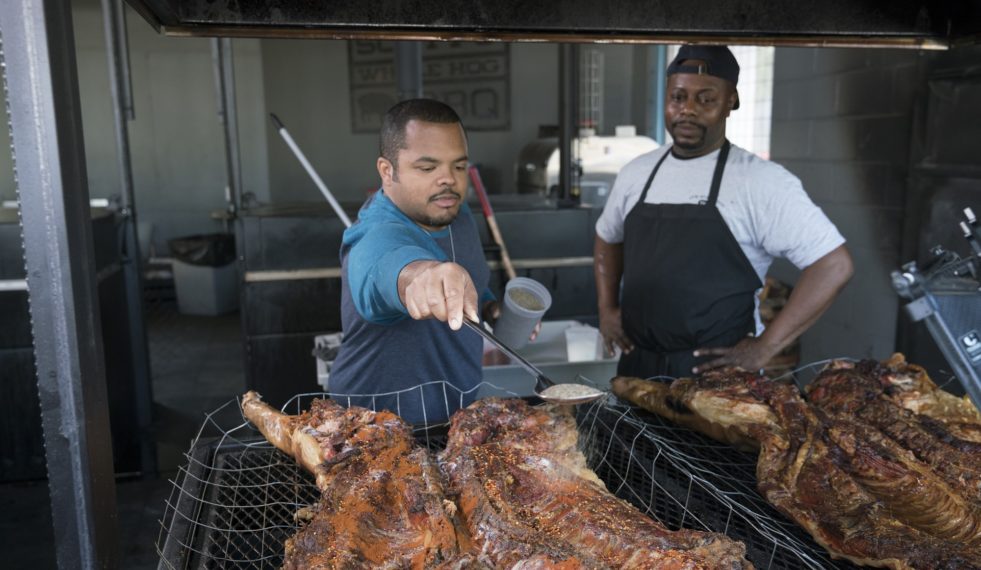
[(582, 343), (525, 302)]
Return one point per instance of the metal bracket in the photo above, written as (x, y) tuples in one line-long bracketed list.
[(919, 309)]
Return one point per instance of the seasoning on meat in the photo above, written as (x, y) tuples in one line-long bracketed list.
[(520, 495), (382, 502), (523, 487), (868, 477)]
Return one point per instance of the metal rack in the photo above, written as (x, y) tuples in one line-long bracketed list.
[(684, 479), (235, 502)]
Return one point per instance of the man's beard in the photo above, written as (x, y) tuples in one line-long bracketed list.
[(699, 141), (443, 220), (447, 217)]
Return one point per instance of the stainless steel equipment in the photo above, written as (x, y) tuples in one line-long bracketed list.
[(946, 296), (598, 159)]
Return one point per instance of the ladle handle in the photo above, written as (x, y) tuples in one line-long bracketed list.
[(542, 381)]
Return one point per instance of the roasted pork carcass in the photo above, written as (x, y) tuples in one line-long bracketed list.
[(523, 487), (382, 504), (719, 404), (859, 492), (865, 392), (526, 499), (910, 387)]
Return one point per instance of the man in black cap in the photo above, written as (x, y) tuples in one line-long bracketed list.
[(690, 229)]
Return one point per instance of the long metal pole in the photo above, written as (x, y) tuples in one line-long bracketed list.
[(132, 259), (657, 111), (224, 64), (224, 67), (408, 69), (123, 35), (41, 82), (568, 120), (281, 129)]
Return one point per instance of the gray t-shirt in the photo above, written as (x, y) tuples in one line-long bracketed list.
[(763, 204)]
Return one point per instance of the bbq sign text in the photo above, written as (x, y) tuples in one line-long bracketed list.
[(470, 77)]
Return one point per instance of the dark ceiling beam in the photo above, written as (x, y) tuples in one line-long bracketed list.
[(920, 24)]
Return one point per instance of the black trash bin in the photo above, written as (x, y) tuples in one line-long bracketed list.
[(205, 274), (211, 250)]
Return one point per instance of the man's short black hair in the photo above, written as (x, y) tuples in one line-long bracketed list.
[(393, 123)]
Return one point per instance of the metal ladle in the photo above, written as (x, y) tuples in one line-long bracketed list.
[(543, 384)]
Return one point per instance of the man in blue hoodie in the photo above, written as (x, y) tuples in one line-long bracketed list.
[(411, 265)]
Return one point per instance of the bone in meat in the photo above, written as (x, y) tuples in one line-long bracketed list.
[(382, 502)]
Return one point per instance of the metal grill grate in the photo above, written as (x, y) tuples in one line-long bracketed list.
[(261, 507), (684, 479), (235, 503)]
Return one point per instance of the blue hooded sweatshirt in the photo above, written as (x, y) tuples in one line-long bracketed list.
[(421, 370)]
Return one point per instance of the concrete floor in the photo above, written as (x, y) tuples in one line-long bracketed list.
[(197, 366)]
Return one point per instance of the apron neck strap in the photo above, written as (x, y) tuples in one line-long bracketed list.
[(720, 165), (643, 195)]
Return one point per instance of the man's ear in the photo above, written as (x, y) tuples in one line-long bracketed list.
[(733, 99), (386, 170)]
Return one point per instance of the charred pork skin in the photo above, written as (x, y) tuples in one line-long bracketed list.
[(910, 387), (870, 479), (525, 498), (720, 405), (382, 500), (865, 392), (523, 486)]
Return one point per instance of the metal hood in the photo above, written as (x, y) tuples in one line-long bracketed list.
[(923, 24)]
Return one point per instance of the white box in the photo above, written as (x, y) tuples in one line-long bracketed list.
[(582, 343), (203, 290), (324, 350)]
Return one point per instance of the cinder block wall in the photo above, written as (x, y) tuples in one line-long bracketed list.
[(842, 122)]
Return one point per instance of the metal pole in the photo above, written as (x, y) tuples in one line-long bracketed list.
[(660, 83), (224, 67), (408, 69), (131, 258), (223, 58), (568, 123), (281, 129), (123, 35), (41, 82)]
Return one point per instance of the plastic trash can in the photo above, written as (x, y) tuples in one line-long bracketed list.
[(205, 274)]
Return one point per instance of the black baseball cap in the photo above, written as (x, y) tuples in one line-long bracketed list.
[(719, 62)]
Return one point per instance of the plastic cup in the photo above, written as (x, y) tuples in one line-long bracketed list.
[(582, 343), (525, 302)]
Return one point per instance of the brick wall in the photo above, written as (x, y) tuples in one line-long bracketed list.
[(842, 122)]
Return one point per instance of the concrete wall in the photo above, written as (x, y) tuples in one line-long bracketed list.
[(842, 121), (306, 84), (176, 139)]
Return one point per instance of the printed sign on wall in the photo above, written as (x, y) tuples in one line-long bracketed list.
[(473, 78)]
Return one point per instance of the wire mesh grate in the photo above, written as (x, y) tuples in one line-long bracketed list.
[(684, 479), (235, 502)]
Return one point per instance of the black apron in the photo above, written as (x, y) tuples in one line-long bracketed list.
[(686, 283)]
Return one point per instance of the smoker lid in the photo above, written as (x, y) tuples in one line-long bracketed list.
[(924, 24)]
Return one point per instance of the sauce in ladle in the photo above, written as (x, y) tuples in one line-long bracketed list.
[(570, 393)]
